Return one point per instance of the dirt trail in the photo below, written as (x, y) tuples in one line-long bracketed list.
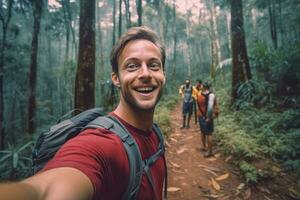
[(193, 177)]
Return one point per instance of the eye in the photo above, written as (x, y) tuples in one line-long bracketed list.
[(132, 66), (155, 66)]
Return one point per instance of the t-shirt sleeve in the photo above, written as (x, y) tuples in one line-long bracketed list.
[(88, 152)]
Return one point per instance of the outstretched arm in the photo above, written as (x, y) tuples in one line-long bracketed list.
[(56, 184), (210, 106)]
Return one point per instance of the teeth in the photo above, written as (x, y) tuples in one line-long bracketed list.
[(145, 89)]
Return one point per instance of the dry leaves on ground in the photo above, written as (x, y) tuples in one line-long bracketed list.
[(173, 189), (222, 177), (215, 185)]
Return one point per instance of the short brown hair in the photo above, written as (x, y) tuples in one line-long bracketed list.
[(135, 33)]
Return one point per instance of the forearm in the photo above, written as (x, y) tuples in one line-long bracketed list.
[(18, 191), (210, 105)]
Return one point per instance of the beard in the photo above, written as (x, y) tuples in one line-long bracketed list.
[(136, 105)]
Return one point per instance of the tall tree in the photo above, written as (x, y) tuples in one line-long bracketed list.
[(5, 16), (127, 13), (114, 23), (188, 53), (68, 27), (215, 44), (120, 18), (160, 7), (139, 10), (175, 41), (273, 24), (85, 75), (37, 7), (240, 63)]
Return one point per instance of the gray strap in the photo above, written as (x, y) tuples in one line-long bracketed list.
[(160, 152), (134, 156)]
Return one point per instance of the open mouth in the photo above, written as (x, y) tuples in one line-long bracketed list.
[(145, 90)]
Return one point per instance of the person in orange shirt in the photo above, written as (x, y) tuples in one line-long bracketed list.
[(196, 90)]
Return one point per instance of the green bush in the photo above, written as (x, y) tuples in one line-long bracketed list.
[(163, 112), (16, 161), (252, 175)]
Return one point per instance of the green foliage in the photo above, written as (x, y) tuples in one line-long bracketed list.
[(257, 132), (15, 162), (253, 93), (252, 175), (163, 112), (280, 67)]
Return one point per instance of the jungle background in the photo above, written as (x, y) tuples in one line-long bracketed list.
[(54, 58)]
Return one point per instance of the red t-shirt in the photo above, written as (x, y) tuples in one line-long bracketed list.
[(101, 156)]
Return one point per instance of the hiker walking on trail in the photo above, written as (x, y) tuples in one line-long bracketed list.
[(196, 90), (186, 91), (206, 101), (93, 165)]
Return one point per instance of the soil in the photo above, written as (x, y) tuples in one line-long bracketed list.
[(191, 176)]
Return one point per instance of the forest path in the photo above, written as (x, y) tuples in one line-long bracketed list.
[(191, 176)]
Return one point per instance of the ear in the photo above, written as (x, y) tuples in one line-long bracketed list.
[(115, 79)]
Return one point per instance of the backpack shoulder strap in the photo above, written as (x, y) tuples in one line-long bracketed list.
[(161, 151), (134, 156)]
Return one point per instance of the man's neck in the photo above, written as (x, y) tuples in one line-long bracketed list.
[(140, 119)]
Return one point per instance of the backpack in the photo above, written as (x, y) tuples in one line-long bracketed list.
[(216, 108), (49, 142)]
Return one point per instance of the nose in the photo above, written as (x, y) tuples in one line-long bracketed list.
[(145, 72)]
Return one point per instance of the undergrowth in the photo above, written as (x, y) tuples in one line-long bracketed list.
[(252, 134), (163, 112)]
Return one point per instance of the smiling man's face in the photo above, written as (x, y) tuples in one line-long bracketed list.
[(141, 76)]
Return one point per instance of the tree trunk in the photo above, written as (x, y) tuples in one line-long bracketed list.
[(273, 26), (5, 22), (161, 18), (128, 14), (215, 45), (100, 53), (120, 18), (85, 76), (114, 23), (139, 11), (37, 14), (240, 63), (228, 19), (67, 27), (175, 41), (187, 29)]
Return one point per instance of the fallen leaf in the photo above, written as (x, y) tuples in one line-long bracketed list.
[(174, 164), (180, 151), (184, 184), (215, 185), (176, 171), (214, 196), (167, 144), (267, 197), (212, 172), (210, 168), (217, 155), (228, 158), (247, 194), (174, 140), (188, 138), (173, 189), (241, 186), (212, 159), (222, 177)]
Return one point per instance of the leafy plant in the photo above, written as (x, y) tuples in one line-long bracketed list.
[(163, 112), (15, 162), (252, 175)]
